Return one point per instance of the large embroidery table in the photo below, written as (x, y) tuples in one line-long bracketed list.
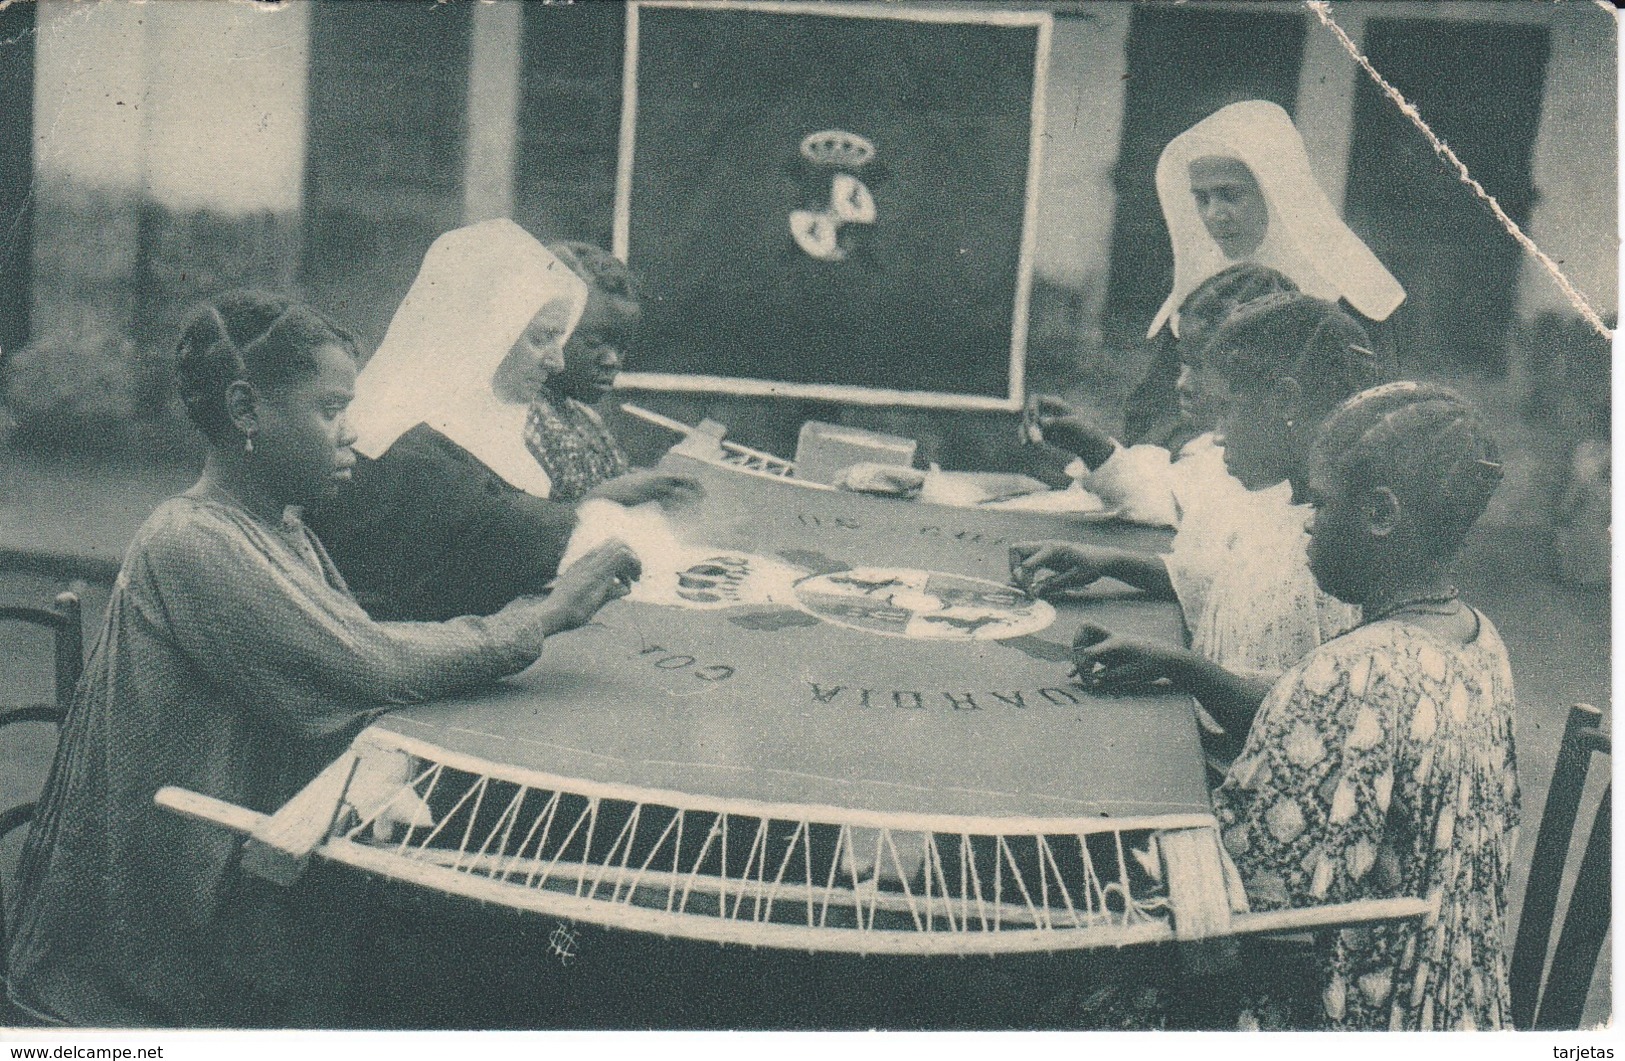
[(879, 753)]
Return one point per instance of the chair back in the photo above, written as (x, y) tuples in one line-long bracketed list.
[(1552, 995), (65, 620)]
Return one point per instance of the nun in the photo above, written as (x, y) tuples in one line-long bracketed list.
[(448, 513), (1237, 187)]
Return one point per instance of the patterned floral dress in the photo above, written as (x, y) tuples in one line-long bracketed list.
[(1383, 765), (571, 443)]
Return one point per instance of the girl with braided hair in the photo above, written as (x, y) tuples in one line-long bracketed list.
[(563, 432), (1383, 763), (1239, 567), (234, 662), (1177, 456)]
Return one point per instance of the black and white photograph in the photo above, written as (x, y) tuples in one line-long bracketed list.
[(815, 516)]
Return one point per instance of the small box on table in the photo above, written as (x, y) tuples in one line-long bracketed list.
[(823, 450)]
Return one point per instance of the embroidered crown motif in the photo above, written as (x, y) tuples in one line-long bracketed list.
[(837, 149)]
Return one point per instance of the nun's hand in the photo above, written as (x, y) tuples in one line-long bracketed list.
[(603, 574), (636, 488), (1109, 663)]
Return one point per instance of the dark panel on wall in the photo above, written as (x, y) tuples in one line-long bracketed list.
[(922, 297), (384, 172)]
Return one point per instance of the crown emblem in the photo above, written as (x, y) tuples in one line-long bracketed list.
[(837, 148)]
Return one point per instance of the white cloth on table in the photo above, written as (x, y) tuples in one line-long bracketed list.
[(677, 574), (1147, 484), (1072, 499)]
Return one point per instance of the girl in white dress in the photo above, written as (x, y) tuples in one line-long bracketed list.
[(1146, 482), (1238, 567)]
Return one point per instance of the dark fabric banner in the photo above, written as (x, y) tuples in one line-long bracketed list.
[(905, 272)]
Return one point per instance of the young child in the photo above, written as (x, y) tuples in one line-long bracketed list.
[(1383, 763), (234, 662), (1238, 567), (563, 431), (1152, 480)]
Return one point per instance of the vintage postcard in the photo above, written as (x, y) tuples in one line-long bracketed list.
[(805, 515)]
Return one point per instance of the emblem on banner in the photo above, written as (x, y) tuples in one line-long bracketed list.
[(818, 232), (922, 605)]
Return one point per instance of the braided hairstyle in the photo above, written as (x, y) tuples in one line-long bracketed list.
[(251, 336), (597, 267), (1291, 335), (1223, 293), (1152, 412), (1424, 442)]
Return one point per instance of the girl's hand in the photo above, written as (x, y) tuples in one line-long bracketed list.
[(1044, 569), (636, 488), (1051, 420), (604, 574), (1106, 662)]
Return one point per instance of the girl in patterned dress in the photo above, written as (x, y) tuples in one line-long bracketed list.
[(1383, 763), (563, 432)]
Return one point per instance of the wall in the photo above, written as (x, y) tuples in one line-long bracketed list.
[(17, 22), (118, 111), (1082, 123), (1575, 153), (1575, 171), (89, 165), (160, 178), (1576, 149), (169, 149), (1576, 166)]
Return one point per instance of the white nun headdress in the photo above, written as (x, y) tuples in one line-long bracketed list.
[(1306, 240), (478, 290)]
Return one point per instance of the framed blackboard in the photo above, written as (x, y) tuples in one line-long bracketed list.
[(831, 201)]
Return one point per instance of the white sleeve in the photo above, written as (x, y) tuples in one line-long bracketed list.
[(1138, 480)]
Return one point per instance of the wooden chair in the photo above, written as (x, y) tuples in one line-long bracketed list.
[(63, 618), (1552, 998)]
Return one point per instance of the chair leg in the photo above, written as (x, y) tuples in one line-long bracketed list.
[(1584, 927), (70, 646)]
